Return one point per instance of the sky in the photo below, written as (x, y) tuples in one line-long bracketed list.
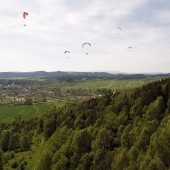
[(54, 26)]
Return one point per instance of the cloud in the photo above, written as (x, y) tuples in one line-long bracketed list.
[(56, 25), (163, 16)]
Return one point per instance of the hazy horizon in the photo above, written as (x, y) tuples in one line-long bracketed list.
[(97, 71)]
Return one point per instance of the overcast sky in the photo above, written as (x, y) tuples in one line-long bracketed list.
[(54, 26)]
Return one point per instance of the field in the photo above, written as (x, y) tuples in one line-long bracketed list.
[(7, 114), (108, 84)]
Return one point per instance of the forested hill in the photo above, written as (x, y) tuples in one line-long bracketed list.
[(55, 74), (70, 76), (127, 130)]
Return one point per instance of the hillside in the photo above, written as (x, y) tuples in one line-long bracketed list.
[(125, 130), (70, 76)]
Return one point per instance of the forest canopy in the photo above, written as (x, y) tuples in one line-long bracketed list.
[(125, 130)]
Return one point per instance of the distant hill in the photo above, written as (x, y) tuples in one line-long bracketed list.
[(61, 75), (56, 74)]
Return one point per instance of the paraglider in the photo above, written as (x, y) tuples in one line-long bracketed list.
[(86, 43), (130, 47), (118, 29), (25, 14), (65, 52)]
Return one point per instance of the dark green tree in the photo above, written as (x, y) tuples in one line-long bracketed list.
[(5, 137), (13, 142), (24, 142), (28, 101)]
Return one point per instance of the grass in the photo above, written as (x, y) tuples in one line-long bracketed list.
[(38, 149), (32, 156), (108, 84), (7, 114)]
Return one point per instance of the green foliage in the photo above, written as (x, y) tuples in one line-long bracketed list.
[(28, 101), (13, 142), (121, 160), (5, 137), (40, 125), (45, 162), (63, 163), (168, 105), (24, 142), (125, 140), (14, 164), (155, 109), (49, 126), (104, 140), (127, 130), (1, 159), (85, 162)]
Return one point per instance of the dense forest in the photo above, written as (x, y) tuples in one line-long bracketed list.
[(125, 130)]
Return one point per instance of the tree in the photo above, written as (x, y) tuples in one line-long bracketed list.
[(49, 126), (18, 118), (28, 101), (5, 137), (45, 162), (13, 142), (1, 163), (104, 140), (121, 159), (81, 144), (85, 162), (155, 109), (125, 140), (168, 105), (24, 142), (40, 125)]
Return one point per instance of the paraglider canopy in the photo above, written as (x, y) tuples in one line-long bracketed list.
[(119, 28), (25, 14), (66, 52), (130, 48), (86, 43)]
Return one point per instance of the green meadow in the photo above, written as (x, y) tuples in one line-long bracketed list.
[(108, 84), (7, 114)]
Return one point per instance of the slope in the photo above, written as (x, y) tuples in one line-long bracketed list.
[(127, 130)]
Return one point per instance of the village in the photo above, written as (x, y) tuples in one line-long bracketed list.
[(33, 92)]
